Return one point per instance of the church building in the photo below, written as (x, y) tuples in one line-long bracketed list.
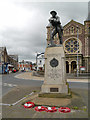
[(76, 43)]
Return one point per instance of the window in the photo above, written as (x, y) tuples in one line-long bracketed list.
[(40, 61), (71, 46), (72, 29)]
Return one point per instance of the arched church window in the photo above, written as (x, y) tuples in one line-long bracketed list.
[(72, 29), (71, 46), (69, 31)]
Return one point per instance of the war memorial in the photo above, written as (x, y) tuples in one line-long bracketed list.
[(55, 84)]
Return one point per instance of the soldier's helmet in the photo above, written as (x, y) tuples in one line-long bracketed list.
[(53, 12)]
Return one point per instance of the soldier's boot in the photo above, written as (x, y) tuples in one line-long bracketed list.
[(60, 42)]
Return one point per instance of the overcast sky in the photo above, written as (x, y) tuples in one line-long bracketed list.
[(23, 24)]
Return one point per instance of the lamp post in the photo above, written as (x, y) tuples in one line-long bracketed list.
[(77, 52), (36, 61)]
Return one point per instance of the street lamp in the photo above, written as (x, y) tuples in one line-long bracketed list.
[(36, 61), (77, 52)]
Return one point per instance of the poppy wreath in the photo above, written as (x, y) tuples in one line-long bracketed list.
[(64, 109), (51, 109), (40, 108), (29, 105)]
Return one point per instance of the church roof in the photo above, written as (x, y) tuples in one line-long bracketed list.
[(74, 22)]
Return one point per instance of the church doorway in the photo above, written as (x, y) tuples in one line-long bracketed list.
[(67, 67), (73, 66)]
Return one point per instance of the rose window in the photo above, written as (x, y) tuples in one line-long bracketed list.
[(71, 46)]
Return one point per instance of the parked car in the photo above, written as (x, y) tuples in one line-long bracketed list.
[(23, 70), (14, 70)]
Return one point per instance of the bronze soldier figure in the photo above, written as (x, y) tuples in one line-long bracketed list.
[(57, 28)]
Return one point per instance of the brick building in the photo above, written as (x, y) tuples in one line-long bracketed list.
[(7, 62), (3, 59), (76, 39), (13, 61)]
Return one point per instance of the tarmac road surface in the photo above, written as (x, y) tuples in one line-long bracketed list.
[(9, 82)]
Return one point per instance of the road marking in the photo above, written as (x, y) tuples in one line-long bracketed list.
[(9, 85), (14, 85), (5, 84), (21, 99), (17, 101), (5, 104)]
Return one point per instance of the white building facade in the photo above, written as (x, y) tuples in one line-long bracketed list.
[(40, 61)]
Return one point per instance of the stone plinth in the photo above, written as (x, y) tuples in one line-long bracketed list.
[(55, 71)]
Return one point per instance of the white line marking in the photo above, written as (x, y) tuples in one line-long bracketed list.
[(9, 85), (21, 99), (5, 84), (14, 85), (17, 101), (5, 104)]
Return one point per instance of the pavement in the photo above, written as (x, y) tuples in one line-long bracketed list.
[(78, 107), (29, 76)]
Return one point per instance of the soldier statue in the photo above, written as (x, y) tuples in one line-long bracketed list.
[(57, 28)]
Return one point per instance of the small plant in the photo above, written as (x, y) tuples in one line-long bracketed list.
[(84, 108), (26, 96), (11, 105), (34, 91), (75, 107)]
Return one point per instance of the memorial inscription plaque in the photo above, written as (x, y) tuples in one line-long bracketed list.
[(54, 62), (53, 89)]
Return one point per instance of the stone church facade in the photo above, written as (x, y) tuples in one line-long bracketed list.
[(76, 42)]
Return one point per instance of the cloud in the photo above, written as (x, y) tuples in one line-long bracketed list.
[(23, 24)]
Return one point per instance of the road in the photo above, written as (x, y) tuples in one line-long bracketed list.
[(9, 81)]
